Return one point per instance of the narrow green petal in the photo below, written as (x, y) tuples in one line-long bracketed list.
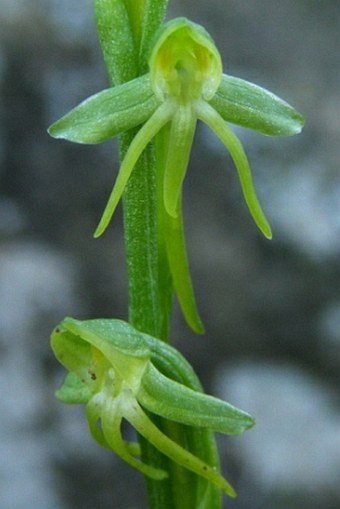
[(104, 421), (179, 146), (135, 415), (111, 417), (179, 267), (174, 401), (108, 113), (134, 448), (93, 416), (172, 249), (161, 116), (208, 115), (165, 281), (246, 104)]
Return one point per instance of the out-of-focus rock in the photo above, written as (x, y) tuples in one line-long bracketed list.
[(294, 450), (37, 287)]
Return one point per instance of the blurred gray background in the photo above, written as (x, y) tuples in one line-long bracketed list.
[(271, 308)]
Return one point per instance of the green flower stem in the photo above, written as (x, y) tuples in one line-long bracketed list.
[(183, 494), (116, 40), (146, 306), (150, 295)]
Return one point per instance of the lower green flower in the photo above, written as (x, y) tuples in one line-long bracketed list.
[(114, 370)]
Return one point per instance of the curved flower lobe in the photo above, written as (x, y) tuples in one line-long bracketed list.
[(113, 371), (185, 62)]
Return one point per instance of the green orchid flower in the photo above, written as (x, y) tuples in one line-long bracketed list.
[(185, 83), (120, 373)]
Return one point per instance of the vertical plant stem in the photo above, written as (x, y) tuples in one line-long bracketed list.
[(118, 32), (146, 305), (141, 243)]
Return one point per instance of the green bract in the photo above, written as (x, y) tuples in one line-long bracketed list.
[(119, 373), (185, 84)]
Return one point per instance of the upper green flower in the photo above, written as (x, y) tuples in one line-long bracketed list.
[(185, 83)]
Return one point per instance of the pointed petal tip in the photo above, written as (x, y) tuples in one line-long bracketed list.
[(268, 234), (101, 228), (263, 226), (296, 127), (154, 473), (59, 131), (53, 131), (194, 321), (227, 488), (98, 232), (231, 492), (261, 222), (170, 208), (251, 422), (199, 329)]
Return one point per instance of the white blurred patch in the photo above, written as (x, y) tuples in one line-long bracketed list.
[(304, 202), (35, 282), (295, 445)]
